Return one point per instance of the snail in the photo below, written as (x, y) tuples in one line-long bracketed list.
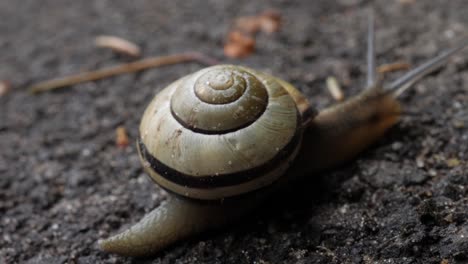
[(225, 138)]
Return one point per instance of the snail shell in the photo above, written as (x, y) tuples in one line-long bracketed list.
[(220, 132)]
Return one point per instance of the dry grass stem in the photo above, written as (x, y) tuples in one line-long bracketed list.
[(118, 45), (391, 67), (135, 66)]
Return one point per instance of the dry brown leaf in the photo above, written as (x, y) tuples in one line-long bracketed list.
[(250, 25), (444, 261), (5, 87), (270, 21), (239, 45), (241, 39), (121, 139)]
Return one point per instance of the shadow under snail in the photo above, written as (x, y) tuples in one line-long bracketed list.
[(225, 138)]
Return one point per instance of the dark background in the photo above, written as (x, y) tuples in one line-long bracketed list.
[(64, 183)]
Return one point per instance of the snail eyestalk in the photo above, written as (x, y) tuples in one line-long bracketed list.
[(371, 50), (400, 85)]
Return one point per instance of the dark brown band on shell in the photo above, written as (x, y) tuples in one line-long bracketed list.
[(221, 180)]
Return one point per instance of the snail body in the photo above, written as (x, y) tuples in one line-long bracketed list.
[(223, 139)]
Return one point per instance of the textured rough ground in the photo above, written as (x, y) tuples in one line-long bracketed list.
[(64, 183)]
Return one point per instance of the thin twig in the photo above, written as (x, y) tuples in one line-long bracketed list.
[(135, 66)]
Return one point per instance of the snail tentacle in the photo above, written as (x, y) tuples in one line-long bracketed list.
[(400, 85), (371, 57)]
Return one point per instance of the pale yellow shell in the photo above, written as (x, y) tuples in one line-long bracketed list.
[(246, 144)]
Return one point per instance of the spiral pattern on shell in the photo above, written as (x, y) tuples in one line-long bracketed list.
[(219, 99), (220, 132)]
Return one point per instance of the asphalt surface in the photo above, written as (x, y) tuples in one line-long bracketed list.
[(64, 183)]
